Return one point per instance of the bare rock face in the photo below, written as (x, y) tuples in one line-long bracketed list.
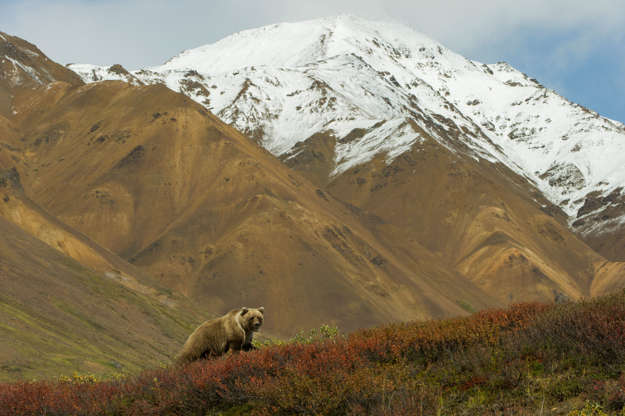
[(565, 176), (600, 221)]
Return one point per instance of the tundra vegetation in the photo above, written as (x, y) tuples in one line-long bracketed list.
[(528, 359)]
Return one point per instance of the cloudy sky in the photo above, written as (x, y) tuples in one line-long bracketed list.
[(576, 47)]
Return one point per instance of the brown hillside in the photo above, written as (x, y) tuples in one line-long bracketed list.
[(480, 218), (18, 209), (609, 278), (150, 175), (610, 244), (68, 305)]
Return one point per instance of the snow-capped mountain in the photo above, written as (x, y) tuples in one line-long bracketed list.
[(379, 88), (394, 195)]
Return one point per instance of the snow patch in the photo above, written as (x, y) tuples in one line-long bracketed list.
[(96, 73), (25, 68), (392, 137)]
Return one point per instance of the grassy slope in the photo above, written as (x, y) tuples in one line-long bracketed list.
[(58, 317), (529, 359)]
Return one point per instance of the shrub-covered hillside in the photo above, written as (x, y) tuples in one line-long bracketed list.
[(530, 359)]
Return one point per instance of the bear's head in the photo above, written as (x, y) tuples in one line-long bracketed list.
[(251, 318)]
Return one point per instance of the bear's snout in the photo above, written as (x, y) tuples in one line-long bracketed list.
[(256, 323)]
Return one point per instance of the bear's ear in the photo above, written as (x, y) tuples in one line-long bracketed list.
[(243, 310), (262, 310)]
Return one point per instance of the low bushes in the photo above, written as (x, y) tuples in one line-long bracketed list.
[(527, 359)]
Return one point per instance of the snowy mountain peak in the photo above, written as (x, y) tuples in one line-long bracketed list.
[(291, 45), (387, 88)]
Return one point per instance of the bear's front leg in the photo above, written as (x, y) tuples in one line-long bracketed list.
[(235, 346), (249, 347)]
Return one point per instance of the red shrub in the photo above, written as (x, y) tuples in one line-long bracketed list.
[(412, 369)]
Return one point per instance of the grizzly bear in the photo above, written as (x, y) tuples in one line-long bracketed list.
[(233, 331)]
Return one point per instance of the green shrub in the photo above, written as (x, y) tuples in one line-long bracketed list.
[(323, 333), (590, 409)]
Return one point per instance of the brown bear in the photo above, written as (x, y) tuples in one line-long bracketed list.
[(233, 331)]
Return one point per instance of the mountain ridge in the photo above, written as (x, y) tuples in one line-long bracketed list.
[(348, 73)]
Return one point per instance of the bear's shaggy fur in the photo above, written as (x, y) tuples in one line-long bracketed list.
[(233, 331)]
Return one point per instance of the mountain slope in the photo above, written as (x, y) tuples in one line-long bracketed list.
[(23, 66), (59, 317), (335, 98), (479, 218), (348, 74), (66, 304), (20, 210), (150, 175)]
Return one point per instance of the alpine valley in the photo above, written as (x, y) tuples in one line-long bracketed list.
[(337, 171)]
